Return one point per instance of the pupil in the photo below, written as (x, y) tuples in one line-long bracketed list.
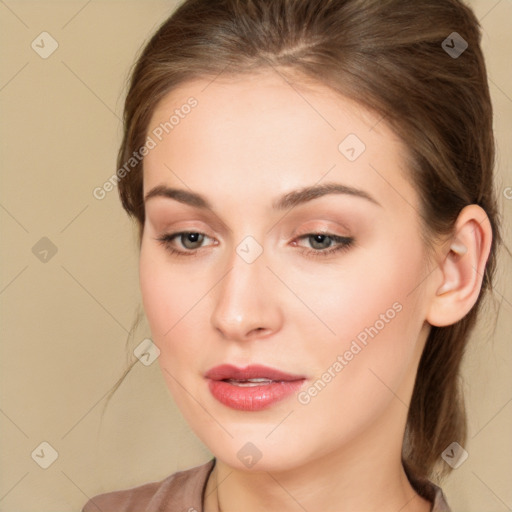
[(320, 241), (191, 240)]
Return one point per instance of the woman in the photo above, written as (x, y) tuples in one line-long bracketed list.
[(312, 181)]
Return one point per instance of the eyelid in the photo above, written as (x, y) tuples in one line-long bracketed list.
[(159, 212), (322, 228)]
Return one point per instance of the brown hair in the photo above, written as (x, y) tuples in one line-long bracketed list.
[(388, 56)]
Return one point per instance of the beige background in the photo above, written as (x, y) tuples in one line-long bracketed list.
[(65, 322)]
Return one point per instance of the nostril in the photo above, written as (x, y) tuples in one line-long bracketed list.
[(258, 330)]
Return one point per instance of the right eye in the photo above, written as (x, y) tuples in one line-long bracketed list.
[(189, 242)]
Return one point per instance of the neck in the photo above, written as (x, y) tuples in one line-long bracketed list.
[(366, 474)]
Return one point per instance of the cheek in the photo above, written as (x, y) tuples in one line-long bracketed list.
[(352, 296), (167, 294), (176, 307)]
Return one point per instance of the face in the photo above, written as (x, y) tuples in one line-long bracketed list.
[(281, 231)]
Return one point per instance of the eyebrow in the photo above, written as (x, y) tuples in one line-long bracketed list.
[(296, 197), (289, 200)]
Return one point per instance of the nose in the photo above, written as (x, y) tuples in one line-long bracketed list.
[(247, 305)]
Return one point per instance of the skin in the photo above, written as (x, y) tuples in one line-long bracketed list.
[(250, 141)]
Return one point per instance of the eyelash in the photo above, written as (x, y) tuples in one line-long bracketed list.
[(343, 243)]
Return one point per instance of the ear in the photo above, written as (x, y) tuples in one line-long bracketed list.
[(462, 263)]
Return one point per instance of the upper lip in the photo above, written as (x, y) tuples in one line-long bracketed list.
[(253, 371)]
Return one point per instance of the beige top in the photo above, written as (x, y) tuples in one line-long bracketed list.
[(184, 492)]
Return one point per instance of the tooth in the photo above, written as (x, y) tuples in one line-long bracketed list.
[(249, 382)]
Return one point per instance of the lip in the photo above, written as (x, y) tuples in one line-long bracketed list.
[(255, 397)]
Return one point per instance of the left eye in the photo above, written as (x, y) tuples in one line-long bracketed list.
[(324, 243)]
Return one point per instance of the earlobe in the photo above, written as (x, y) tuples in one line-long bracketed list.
[(462, 268)]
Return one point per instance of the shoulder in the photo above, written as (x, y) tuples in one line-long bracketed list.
[(433, 493), (439, 501), (180, 491)]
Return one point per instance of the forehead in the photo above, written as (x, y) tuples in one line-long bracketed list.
[(287, 134), (262, 103)]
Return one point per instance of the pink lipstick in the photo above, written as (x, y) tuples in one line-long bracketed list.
[(252, 388)]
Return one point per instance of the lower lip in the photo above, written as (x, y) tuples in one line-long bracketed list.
[(253, 398)]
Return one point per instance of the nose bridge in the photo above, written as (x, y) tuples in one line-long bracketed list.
[(243, 302)]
